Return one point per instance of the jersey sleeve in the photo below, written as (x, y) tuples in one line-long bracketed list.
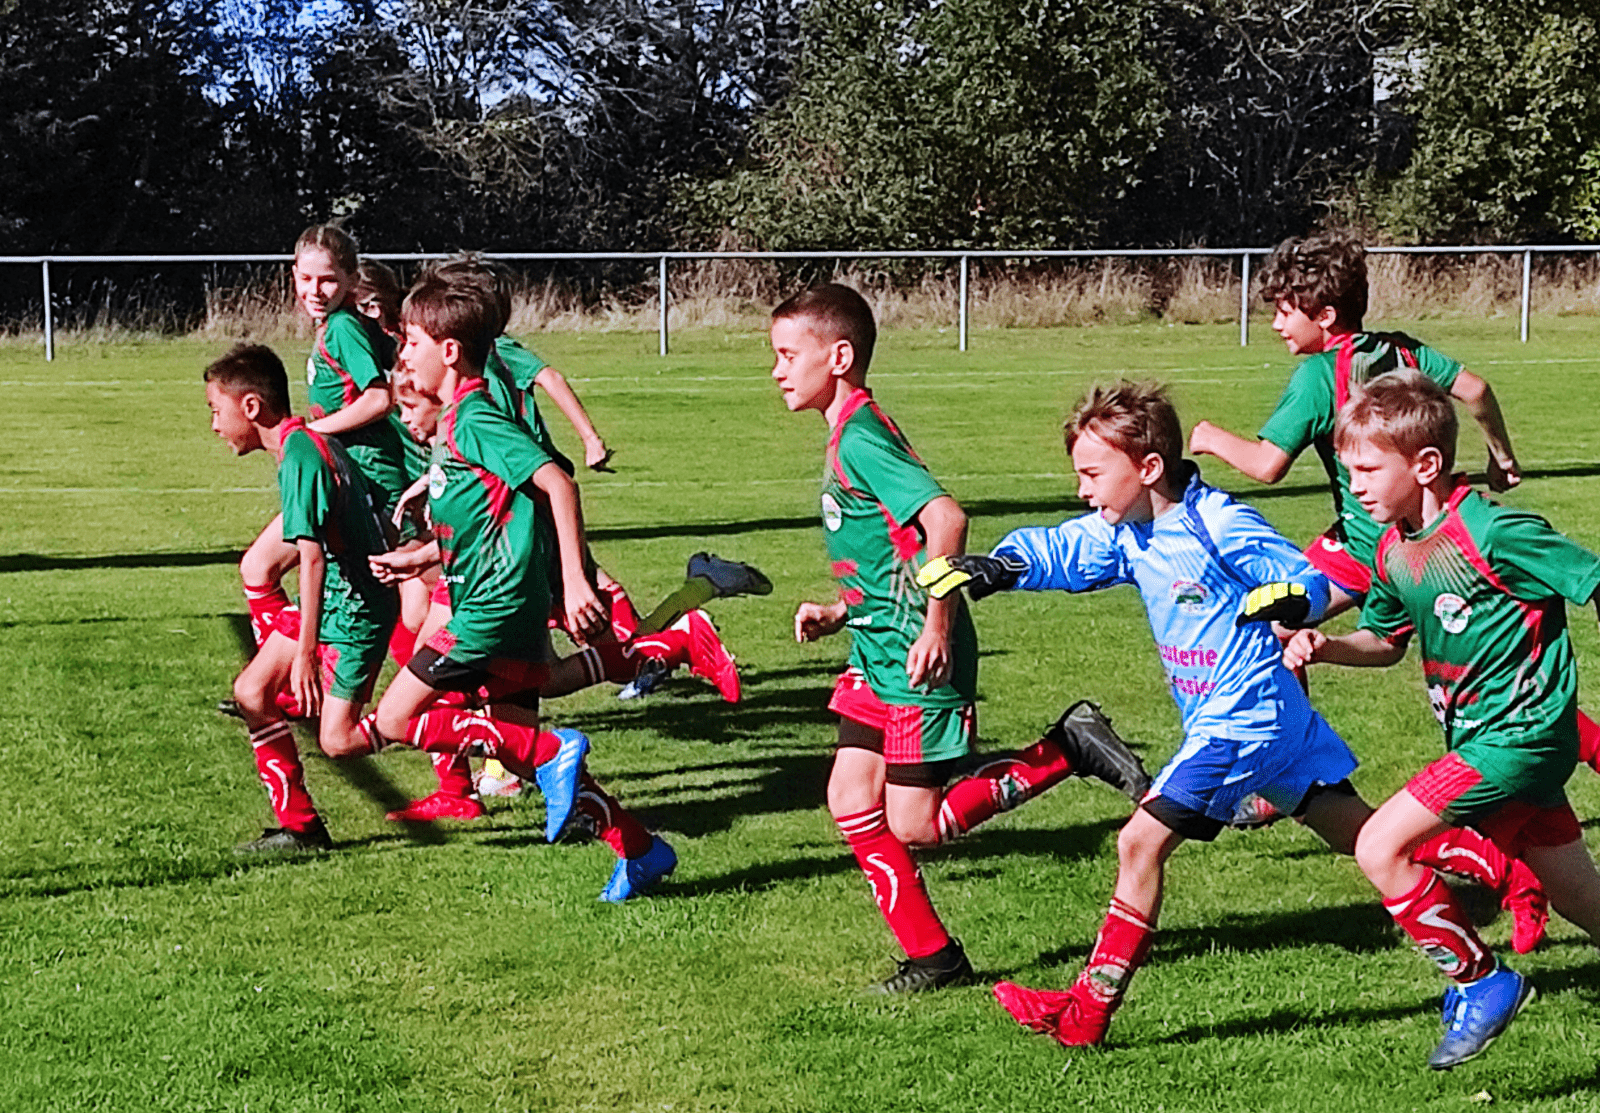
[(1078, 555), (1384, 613), (305, 491), (1305, 409), (1534, 561), (495, 442), (1262, 555), (522, 364), (1437, 366), (353, 349), (884, 468)]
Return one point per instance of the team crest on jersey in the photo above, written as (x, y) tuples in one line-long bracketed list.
[(1190, 597), (435, 481), (832, 516), (1452, 612)]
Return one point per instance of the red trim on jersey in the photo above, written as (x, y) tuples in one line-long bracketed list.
[(347, 384), (498, 491), (905, 539), (843, 568), (1344, 355), (331, 537), (1328, 555), (1442, 782)]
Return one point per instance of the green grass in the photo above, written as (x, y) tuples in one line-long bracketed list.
[(143, 967)]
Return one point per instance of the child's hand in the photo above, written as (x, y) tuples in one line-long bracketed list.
[(982, 576), (929, 663), (816, 620), (586, 614), (393, 567), (413, 504), (596, 455), (1302, 648), (305, 684), (1503, 476)]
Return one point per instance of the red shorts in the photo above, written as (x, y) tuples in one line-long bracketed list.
[(1328, 555), (498, 679), (1458, 794), (344, 673), (912, 735)]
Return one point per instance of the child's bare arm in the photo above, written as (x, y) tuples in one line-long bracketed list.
[(1477, 397), (400, 564), (818, 620), (928, 664), (305, 680), (371, 405), (1262, 461), (554, 383), (1362, 648), (582, 606)]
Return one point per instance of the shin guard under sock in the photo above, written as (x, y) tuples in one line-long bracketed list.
[(402, 644), (1000, 786), (459, 731), (1436, 922), (624, 619), (454, 773), (1120, 949), (896, 883), (1465, 853), (610, 820), (670, 647), (264, 602), (278, 764)]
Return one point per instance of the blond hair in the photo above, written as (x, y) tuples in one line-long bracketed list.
[(1403, 411), (1134, 418)]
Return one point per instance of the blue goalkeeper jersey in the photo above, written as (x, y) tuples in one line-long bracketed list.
[(1193, 566)]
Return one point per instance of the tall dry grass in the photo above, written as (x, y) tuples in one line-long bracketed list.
[(737, 295)]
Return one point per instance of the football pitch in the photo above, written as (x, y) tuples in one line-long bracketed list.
[(469, 967)]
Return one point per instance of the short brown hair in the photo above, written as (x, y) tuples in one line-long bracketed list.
[(1326, 270), (1134, 418), (455, 307), (377, 282), (254, 369), (339, 244), (497, 279), (835, 312), (1403, 411)]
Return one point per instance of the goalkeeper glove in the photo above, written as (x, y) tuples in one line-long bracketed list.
[(980, 575), (1283, 602)]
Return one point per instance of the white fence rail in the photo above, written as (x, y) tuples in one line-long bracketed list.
[(963, 258)]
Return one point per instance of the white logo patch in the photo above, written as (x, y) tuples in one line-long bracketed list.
[(311, 371), (1452, 612), (435, 481), (832, 516)]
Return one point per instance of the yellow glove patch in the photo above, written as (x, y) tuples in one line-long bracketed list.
[(940, 577)]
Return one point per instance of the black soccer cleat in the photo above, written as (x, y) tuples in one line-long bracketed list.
[(1095, 750), (946, 966), (729, 577), (231, 707), (281, 840)]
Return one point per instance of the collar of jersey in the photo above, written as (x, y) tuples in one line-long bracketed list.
[(1461, 490)]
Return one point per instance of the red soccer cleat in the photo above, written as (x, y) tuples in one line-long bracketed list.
[(1528, 905), (1071, 1018), (709, 658), (441, 805)]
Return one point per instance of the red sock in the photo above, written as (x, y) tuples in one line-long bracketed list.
[(453, 731), (1434, 919), (1120, 949), (454, 773), (896, 883), (264, 602), (1465, 853), (612, 822), (1589, 742), (1000, 786), (670, 647), (607, 660), (278, 764), (624, 619), (402, 644)]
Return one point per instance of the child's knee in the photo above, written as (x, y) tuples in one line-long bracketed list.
[(914, 831), (1137, 849), (250, 693), (1376, 853)]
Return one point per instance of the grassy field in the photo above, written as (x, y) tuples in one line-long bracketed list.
[(142, 966)]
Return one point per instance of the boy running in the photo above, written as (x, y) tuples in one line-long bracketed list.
[(1212, 574), (326, 655), (1485, 588), (905, 702)]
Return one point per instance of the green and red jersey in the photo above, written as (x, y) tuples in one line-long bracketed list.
[(326, 499), (874, 485), (353, 354), (494, 546), (1320, 386), (511, 371), (1485, 588)]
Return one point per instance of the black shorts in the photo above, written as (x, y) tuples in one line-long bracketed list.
[(503, 680), (926, 774), (1202, 828)]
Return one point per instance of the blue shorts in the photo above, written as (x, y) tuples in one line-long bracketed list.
[(1208, 777)]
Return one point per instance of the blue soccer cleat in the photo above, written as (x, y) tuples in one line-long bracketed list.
[(633, 876), (1476, 1013), (558, 780)]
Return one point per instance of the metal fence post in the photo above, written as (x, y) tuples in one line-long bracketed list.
[(1244, 300), (662, 284), (49, 319), (963, 315), (1527, 285)]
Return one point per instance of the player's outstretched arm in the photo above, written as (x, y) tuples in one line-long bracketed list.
[(982, 576), (370, 405), (1363, 649), (1262, 461), (581, 604), (595, 453), (1477, 397), (402, 564), (818, 620)]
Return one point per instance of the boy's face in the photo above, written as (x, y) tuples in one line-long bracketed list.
[(807, 366), (423, 360), (418, 412), (1112, 481), (320, 284), (1387, 483), (1304, 335), (230, 419)]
